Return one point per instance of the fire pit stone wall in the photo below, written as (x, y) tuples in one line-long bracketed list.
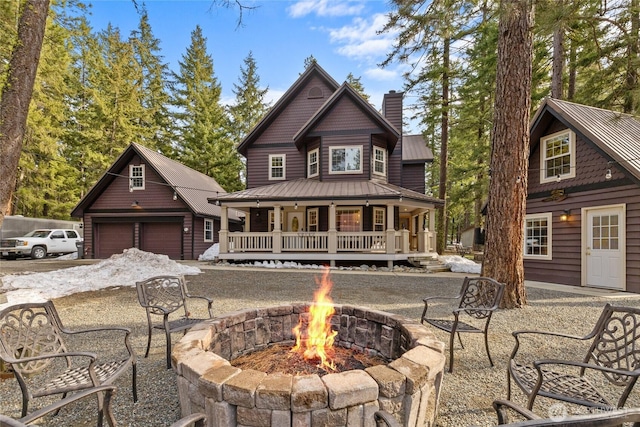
[(408, 386)]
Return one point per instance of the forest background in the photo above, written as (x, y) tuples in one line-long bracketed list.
[(98, 90)]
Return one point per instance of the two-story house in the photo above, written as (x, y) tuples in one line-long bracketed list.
[(583, 207), (330, 178)]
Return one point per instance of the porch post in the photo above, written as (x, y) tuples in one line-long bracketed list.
[(432, 233), (332, 243), (423, 234), (277, 230), (223, 239), (391, 232)]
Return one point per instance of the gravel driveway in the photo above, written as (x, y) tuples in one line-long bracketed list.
[(467, 393)]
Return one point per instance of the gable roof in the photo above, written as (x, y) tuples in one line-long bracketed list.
[(311, 71), (415, 150), (191, 186), (347, 91), (617, 135)]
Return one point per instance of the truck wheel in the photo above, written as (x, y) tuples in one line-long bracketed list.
[(38, 252)]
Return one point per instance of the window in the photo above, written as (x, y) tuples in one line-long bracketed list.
[(378, 219), (276, 166), (348, 219), (345, 160), (208, 230), (604, 232), (379, 161), (136, 177), (272, 216), (537, 236), (312, 219), (557, 156), (312, 163)]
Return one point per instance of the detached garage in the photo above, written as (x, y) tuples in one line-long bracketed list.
[(150, 202)]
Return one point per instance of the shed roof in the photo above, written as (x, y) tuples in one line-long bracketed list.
[(616, 134), (415, 150), (191, 186)]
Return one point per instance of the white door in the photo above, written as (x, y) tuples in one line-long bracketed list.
[(605, 247)]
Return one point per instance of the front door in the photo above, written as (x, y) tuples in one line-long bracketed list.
[(605, 247), (295, 221)]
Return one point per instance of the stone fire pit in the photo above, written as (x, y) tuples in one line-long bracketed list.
[(408, 386)]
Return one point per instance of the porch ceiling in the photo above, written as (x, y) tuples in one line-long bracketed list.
[(312, 190)]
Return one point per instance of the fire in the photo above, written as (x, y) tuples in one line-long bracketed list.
[(317, 341)]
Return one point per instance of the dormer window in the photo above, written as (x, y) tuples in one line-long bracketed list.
[(379, 161), (558, 156), (277, 167), (345, 160), (136, 177), (312, 163)]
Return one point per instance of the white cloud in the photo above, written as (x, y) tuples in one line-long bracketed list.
[(361, 39), (325, 8), (383, 74)]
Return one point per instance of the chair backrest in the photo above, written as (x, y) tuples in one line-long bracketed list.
[(29, 330), (615, 343), (480, 292), (168, 292)]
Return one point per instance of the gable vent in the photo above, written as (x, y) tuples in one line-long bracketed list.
[(315, 92)]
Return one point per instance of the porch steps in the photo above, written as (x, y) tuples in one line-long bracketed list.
[(428, 262)]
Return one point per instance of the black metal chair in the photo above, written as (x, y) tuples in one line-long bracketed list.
[(385, 419), (32, 341), (478, 298), (164, 296), (611, 354), (598, 419)]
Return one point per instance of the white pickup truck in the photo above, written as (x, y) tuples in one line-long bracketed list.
[(40, 243)]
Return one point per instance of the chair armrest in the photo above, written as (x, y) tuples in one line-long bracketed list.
[(209, 300), (503, 406), (386, 418), (198, 418), (109, 390), (92, 356), (427, 299), (516, 334), (539, 363), (127, 331)]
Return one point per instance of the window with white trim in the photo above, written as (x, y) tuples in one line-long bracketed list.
[(348, 219), (558, 156), (312, 163), (312, 219), (277, 164), (537, 236), (208, 230), (379, 161), (136, 177), (345, 159), (378, 219)]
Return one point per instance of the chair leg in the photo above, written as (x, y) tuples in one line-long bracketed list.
[(451, 340), (134, 381), (146, 354), (460, 340), (486, 345), (58, 410), (168, 334)]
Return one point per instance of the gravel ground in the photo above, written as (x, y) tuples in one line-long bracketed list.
[(467, 393)]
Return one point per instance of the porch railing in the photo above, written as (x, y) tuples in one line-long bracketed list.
[(305, 242)]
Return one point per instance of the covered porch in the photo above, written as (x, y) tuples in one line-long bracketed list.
[(328, 222)]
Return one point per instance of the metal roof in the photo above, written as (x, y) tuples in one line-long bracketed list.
[(415, 150), (312, 189), (616, 134)]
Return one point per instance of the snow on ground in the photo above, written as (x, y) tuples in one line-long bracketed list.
[(123, 269), (133, 265)]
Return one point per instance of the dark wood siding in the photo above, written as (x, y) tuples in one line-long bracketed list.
[(258, 163), (345, 140), (345, 116), (565, 267), (413, 177), (162, 238), (112, 238)]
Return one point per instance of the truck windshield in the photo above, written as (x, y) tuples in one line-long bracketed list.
[(38, 233)]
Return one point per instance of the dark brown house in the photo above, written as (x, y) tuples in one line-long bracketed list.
[(583, 206), (330, 178), (148, 201)]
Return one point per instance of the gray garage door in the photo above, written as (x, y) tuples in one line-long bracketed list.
[(112, 238), (162, 238)]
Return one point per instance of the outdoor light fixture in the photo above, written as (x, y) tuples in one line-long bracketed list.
[(186, 230), (295, 205), (608, 175), (175, 196), (367, 204), (565, 215), (257, 203), (135, 204)]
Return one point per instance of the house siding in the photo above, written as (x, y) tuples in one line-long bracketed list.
[(346, 116), (413, 177), (258, 163)]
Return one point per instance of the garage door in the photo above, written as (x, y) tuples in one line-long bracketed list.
[(112, 238), (162, 238)]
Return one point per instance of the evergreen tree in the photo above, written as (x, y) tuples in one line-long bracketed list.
[(356, 83), (203, 139), (249, 106)]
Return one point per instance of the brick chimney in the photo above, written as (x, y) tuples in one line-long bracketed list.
[(392, 108)]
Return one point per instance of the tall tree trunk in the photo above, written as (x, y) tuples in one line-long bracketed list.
[(444, 151), (558, 59), (16, 95), (573, 71), (631, 93), (510, 152)]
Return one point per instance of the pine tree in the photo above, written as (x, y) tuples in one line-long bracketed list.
[(356, 83), (249, 106), (203, 139)]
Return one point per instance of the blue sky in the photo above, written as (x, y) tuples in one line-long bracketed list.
[(340, 34)]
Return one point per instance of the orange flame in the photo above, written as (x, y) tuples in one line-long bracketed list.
[(317, 341)]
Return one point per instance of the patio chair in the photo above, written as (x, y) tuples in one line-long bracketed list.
[(164, 296), (103, 392), (197, 420), (478, 298), (599, 419), (385, 419), (32, 341), (611, 356)]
